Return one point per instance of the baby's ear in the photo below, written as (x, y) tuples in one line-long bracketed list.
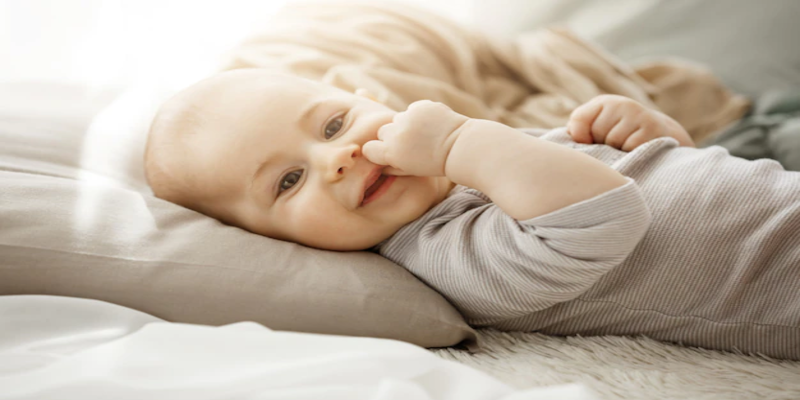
[(366, 93)]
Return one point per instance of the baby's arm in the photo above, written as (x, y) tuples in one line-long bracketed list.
[(525, 176), (622, 123)]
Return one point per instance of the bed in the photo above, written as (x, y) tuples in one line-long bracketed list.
[(81, 235)]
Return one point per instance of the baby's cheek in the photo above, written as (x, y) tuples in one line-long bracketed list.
[(312, 218)]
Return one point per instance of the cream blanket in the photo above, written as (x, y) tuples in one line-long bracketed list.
[(403, 54)]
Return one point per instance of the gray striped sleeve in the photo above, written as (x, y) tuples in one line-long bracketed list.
[(493, 267)]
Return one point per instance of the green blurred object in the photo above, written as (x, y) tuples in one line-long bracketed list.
[(770, 130)]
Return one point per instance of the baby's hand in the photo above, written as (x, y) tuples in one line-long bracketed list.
[(417, 141), (622, 123)]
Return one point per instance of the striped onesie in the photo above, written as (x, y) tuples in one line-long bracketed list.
[(699, 248)]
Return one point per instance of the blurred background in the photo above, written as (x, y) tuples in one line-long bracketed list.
[(750, 44), (120, 42)]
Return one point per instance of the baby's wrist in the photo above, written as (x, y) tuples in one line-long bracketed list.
[(464, 154)]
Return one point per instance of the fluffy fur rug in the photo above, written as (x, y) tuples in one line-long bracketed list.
[(629, 368)]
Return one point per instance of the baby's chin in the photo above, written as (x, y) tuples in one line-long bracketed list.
[(345, 244), (356, 238)]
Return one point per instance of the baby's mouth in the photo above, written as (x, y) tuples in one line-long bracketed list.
[(378, 188), (374, 187)]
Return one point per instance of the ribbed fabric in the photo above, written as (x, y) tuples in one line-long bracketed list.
[(699, 248)]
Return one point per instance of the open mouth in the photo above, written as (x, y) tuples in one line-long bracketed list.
[(378, 188)]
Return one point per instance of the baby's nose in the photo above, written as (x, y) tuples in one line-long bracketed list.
[(341, 159)]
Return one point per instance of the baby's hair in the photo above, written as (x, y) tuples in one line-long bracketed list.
[(167, 140)]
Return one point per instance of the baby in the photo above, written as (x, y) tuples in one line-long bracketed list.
[(612, 225)]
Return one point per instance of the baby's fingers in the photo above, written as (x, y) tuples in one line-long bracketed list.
[(621, 132), (636, 139), (581, 121), (375, 152), (394, 171)]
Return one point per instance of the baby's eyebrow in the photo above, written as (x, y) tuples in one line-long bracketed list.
[(309, 111)]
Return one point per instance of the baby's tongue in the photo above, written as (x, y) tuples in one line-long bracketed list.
[(374, 186)]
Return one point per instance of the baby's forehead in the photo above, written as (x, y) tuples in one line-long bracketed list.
[(230, 104), (255, 79), (232, 90)]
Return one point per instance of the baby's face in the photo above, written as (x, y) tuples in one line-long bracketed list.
[(281, 156)]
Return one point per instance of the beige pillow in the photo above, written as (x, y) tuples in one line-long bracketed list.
[(78, 220)]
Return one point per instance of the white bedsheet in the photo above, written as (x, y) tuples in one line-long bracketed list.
[(67, 348)]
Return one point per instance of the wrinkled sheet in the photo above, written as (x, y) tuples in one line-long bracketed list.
[(534, 80), (68, 348)]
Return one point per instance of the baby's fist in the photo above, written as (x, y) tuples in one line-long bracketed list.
[(418, 140), (622, 123)]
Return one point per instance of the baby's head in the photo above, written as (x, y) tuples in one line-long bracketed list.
[(280, 156)]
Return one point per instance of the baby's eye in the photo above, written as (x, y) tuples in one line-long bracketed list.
[(333, 127), (289, 180)]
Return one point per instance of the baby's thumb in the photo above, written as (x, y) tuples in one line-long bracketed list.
[(394, 171), (375, 152)]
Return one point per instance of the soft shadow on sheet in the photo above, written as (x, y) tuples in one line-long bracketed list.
[(58, 347)]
